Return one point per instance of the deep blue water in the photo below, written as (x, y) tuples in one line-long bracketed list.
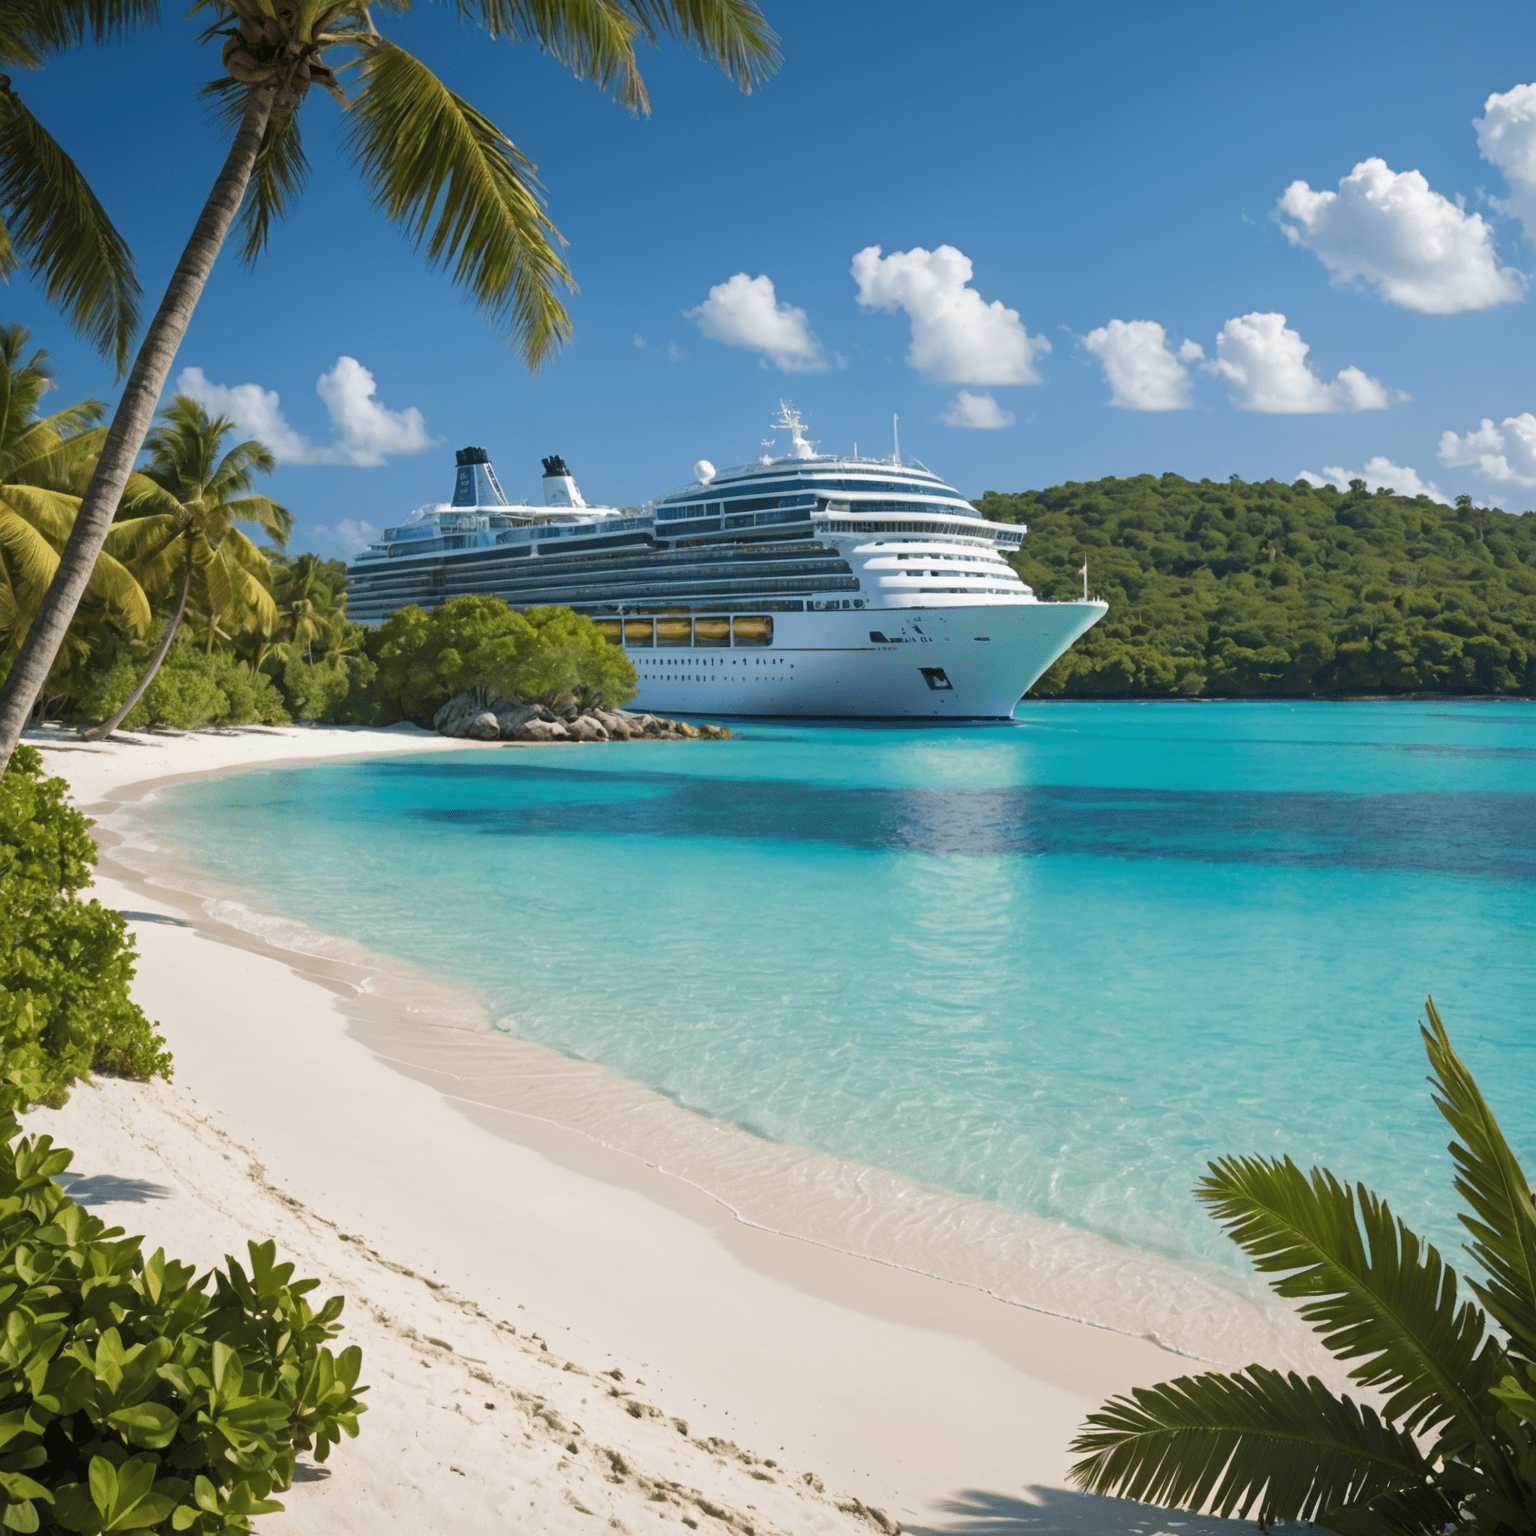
[(1056, 965)]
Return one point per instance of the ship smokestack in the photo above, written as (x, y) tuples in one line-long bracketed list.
[(559, 488), (476, 484)]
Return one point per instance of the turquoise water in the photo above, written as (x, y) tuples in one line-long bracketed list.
[(1056, 965)]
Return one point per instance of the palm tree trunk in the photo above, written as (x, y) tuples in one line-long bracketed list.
[(130, 425), (97, 732)]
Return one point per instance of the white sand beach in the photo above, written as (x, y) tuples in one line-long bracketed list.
[(556, 1334)]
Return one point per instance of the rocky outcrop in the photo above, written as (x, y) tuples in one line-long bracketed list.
[(473, 717)]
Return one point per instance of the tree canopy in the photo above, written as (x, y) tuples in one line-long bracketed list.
[(1242, 588)]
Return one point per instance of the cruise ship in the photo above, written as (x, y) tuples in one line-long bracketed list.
[(803, 584)]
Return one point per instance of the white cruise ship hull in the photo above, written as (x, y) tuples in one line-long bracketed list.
[(950, 663)]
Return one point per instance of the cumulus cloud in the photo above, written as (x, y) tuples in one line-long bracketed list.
[(745, 312), (1505, 454), (968, 410), (366, 430), (1266, 364), (1378, 472), (957, 337), (1506, 135), (1144, 372), (1392, 229)]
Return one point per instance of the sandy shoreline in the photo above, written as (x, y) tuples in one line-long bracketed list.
[(444, 1178)]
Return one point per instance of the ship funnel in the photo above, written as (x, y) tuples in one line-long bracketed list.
[(476, 484), (559, 488)]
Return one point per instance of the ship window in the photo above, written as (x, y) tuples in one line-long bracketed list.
[(613, 630), (639, 632), (674, 631), (757, 630), (711, 631)]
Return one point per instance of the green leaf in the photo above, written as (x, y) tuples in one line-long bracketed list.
[(61, 231), (448, 176), (1252, 1442), (1373, 1290), (148, 1424), (1491, 1181)]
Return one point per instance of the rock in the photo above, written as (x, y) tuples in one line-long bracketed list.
[(513, 717), (454, 718), (585, 728), (651, 725), (619, 727), (544, 730), (683, 728), (484, 727)]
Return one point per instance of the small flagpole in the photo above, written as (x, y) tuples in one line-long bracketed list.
[(1085, 578)]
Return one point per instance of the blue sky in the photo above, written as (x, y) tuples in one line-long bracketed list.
[(1092, 164)]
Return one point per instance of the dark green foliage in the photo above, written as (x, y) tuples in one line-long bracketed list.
[(1231, 588), (193, 688), (65, 964), (1452, 1447), (546, 655), (130, 1396)]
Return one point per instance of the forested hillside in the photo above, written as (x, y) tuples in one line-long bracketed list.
[(1231, 588)]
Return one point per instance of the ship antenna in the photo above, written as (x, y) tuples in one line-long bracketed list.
[(896, 435), (1085, 576)]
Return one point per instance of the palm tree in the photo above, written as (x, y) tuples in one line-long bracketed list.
[(211, 493), (1453, 1445), (39, 458), (437, 167)]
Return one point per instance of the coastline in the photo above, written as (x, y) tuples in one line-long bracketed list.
[(911, 1376)]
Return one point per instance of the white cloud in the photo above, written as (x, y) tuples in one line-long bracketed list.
[(968, 410), (1506, 135), (745, 312), (1390, 228), (1505, 454), (1378, 472), (257, 412), (675, 353), (1266, 364), (366, 431), (1144, 373), (957, 337), (640, 341)]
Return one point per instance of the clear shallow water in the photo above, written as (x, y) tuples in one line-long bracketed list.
[(1056, 965)]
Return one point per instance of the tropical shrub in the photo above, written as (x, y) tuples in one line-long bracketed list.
[(546, 656), (193, 688), (131, 1397), (1453, 1446), (1264, 589), (65, 964)]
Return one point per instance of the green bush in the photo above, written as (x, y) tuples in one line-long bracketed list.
[(1279, 590), (546, 655), (322, 690), (130, 1397), (65, 964)]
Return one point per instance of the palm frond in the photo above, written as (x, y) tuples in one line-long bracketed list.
[(62, 232), (732, 34), (281, 170), (1254, 1441), (1491, 1181), (114, 585), (594, 39), (51, 513), (143, 497), (237, 470), (152, 550), (448, 176), (32, 29), (52, 451), (1374, 1290), (275, 521), (30, 560)]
